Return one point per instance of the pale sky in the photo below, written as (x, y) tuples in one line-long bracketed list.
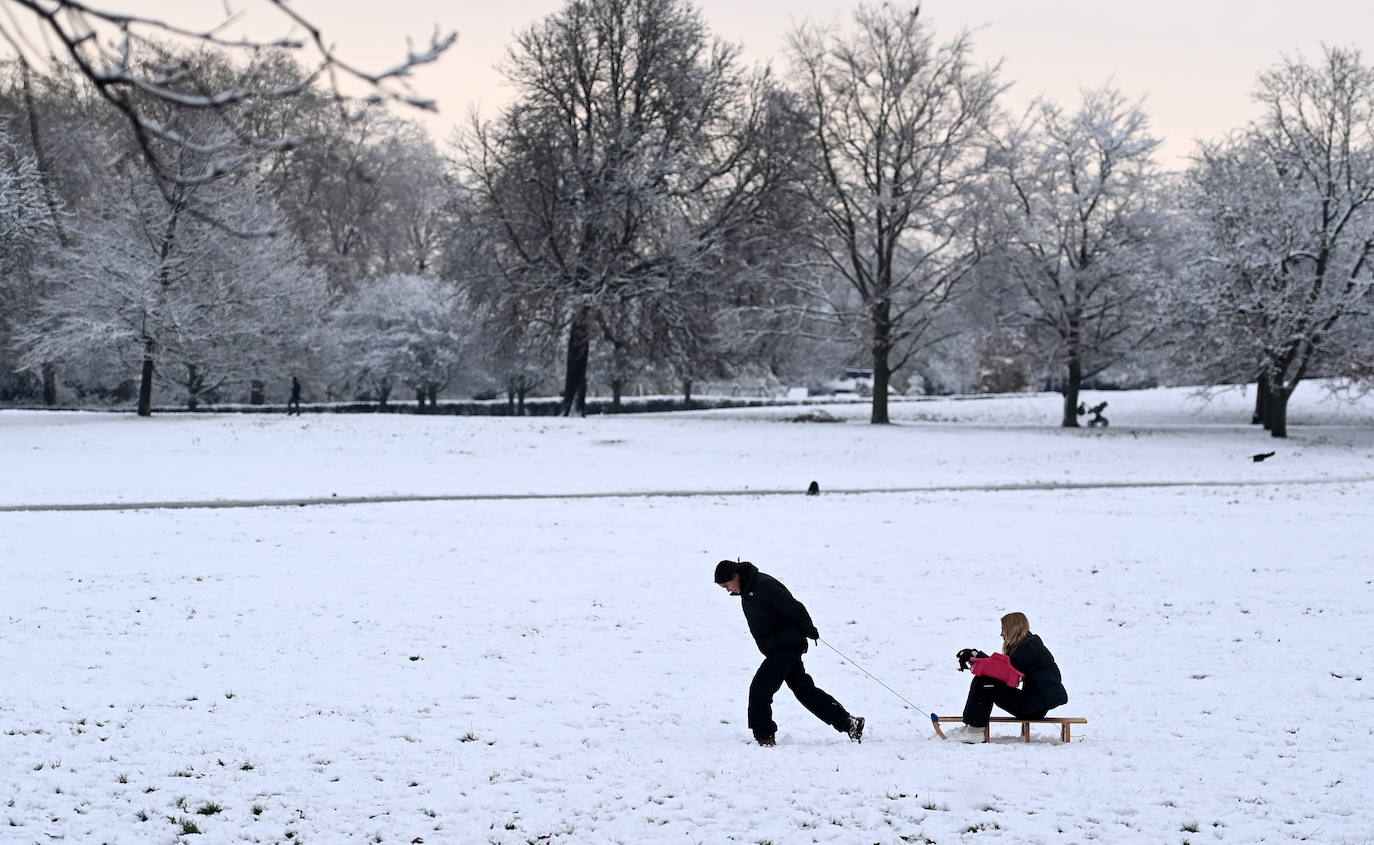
[(1194, 62)]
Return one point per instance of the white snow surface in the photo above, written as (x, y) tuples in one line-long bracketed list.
[(563, 670)]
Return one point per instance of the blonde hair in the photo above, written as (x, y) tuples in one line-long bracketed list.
[(1015, 629)]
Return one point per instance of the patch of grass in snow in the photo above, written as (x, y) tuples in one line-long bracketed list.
[(209, 808), (257, 809), (468, 737), (229, 694), (188, 826), (246, 767), (122, 779), (187, 772), (1191, 826), (142, 815), (982, 826)]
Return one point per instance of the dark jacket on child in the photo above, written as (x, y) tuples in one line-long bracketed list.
[(1042, 684)]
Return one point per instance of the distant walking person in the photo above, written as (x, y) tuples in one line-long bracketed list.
[(295, 402), (780, 626), (1041, 686)]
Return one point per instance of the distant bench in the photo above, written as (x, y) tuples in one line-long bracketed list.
[(1064, 723)]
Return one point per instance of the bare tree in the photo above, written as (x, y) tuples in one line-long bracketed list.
[(1077, 195), (897, 124), (133, 60), (618, 173), (1282, 277)]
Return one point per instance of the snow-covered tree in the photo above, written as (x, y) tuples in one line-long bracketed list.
[(410, 330), (26, 220), (166, 286), (27, 228), (1281, 281), (1076, 205), (619, 176), (897, 125)]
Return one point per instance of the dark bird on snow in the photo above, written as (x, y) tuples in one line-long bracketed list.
[(814, 489), (1261, 456)]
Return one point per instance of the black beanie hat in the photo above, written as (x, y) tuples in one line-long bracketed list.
[(725, 570)]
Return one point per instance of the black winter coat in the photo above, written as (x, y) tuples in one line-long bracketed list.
[(776, 619), (1042, 684)]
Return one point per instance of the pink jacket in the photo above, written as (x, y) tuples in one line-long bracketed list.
[(998, 666)]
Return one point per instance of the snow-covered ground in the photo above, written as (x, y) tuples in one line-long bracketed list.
[(563, 670), (1157, 435)]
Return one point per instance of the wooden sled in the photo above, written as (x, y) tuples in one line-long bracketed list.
[(1064, 723)]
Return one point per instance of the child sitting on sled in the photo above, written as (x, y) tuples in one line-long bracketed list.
[(1023, 680)]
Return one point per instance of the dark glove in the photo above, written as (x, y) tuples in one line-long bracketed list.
[(813, 634), (965, 657)]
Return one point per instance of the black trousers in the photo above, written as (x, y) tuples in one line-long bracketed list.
[(984, 692), (785, 667)]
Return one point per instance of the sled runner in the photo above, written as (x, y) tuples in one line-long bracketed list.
[(1064, 723)]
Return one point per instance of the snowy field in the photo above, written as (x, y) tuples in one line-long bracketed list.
[(562, 669)]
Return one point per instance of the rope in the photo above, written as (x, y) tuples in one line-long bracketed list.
[(871, 675)]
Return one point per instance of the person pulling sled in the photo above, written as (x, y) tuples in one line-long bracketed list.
[(780, 626)]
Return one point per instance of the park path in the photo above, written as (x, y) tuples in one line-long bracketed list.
[(317, 501)]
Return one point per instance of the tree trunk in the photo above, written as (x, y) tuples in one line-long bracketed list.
[(617, 388), (882, 374), (687, 393), (433, 393), (145, 384), (575, 382), (49, 384), (193, 384), (1071, 389), (520, 399), (1261, 401), (882, 377), (1276, 411)]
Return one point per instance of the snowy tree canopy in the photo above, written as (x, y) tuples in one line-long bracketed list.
[(1280, 281), (1075, 203)]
